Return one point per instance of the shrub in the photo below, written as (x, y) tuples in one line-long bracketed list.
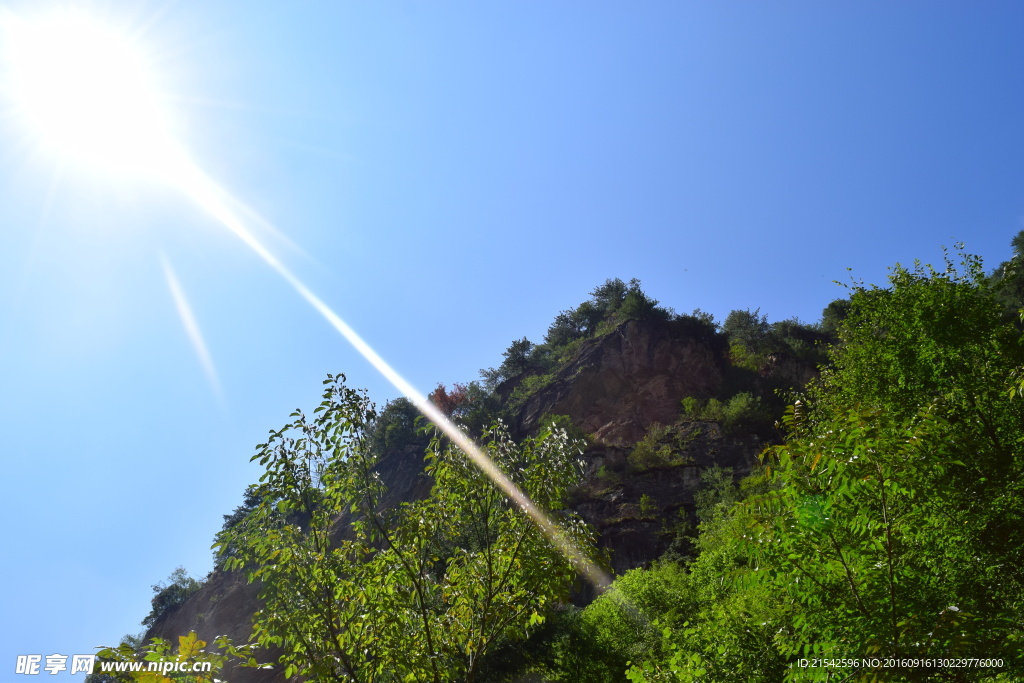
[(608, 476), (743, 412), (527, 388), (395, 427), (174, 592), (517, 361), (691, 407), (648, 506), (660, 447)]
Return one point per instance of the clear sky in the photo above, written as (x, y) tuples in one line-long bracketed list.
[(450, 176)]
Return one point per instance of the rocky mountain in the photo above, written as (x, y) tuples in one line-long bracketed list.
[(644, 456)]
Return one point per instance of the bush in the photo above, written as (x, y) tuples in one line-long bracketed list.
[(608, 477), (395, 427), (517, 361), (251, 499), (692, 407), (169, 595), (648, 506), (527, 388), (660, 447), (741, 413), (745, 412)]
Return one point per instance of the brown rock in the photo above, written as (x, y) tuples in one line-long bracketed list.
[(621, 383)]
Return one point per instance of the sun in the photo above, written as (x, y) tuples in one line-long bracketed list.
[(85, 90)]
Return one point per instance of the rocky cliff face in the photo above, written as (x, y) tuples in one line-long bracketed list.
[(616, 389), (620, 384), (639, 510)]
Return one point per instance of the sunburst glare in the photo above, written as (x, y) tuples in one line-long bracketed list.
[(85, 90), (87, 93)]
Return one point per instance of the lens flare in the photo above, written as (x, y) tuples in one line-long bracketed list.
[(85, 90), (217, 202), (191, 325)]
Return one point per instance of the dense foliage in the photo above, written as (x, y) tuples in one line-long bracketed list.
[(750, 349), (171, 593), (887, 526), (610, 304), (418, 591), (893, 521)]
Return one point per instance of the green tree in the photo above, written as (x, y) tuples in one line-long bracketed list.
[(718, 626), (168, 595), (614, 300), (1008, 278), (897, 529), (517, 361), (833, 315), (891, 522), (251, 499), (190, 662), (747, 328), (418, 591), (395, 427), (622, 301), (573, 324)]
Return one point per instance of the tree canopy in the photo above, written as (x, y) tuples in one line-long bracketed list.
[(354, 590)]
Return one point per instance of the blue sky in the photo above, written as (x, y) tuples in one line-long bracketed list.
[(452, 175)]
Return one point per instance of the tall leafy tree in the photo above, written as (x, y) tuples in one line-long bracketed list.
[(897, 529), (891, 522), (355, 590), (1008, 277)]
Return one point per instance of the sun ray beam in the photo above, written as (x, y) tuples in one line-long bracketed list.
[(86, 91), (217, 202), (191, 326)]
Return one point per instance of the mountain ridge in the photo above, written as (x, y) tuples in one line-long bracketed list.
[(618, 388)]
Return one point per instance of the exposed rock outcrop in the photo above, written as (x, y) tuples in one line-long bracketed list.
[(615, 389), (619, 384)]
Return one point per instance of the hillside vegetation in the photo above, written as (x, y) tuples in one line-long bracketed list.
[(881, 534)]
